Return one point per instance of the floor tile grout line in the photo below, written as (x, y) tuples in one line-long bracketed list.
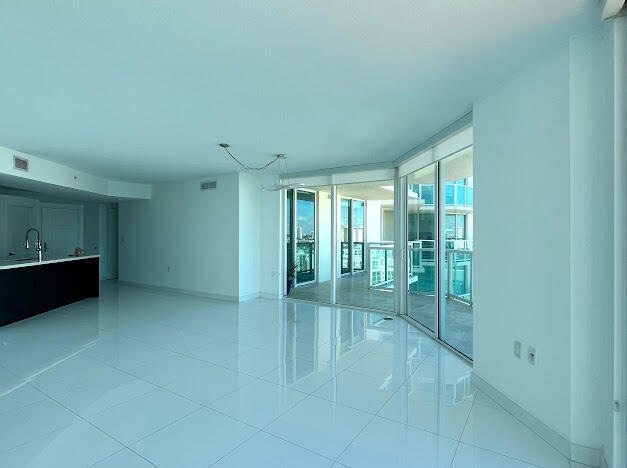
[(505, 455), (41, 436), (120, 451), (99, 430), (235, 448), (367, 424), (128, 373), (295, 444), (25, 405), (337, 459), (235, 390), (459, 441), (182, 354), (200, 406), (510, 414), (181, 396)]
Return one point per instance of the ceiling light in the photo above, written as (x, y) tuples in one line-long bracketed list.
[(276, 187)]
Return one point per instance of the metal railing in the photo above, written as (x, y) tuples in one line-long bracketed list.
[(458, 280), (381, 261), (305, 260), (357, 256), (421, 268)]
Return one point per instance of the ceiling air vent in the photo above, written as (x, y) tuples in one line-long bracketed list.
[(20, 163), (209, 185)]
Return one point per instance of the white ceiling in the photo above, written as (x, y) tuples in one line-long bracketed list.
[(145, 90)]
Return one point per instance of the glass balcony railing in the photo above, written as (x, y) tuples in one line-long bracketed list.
[(421, 268), (357, 257), (381, 258), (305, 261), (458, 277)]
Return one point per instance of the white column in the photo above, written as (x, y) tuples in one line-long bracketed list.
[(400, 243), (591, 238), (620, 248), (333, 243)]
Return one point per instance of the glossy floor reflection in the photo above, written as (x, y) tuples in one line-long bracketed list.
[(139, 378), (354, 291)]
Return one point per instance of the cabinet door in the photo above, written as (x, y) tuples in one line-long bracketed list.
[(60, 231), (20, 217)]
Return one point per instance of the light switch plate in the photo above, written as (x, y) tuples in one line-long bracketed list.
[(517, 348)]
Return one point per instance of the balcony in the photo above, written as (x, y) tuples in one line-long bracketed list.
[(421, 265)]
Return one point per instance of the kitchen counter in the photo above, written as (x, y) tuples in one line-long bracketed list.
[(29, 287), (7, 264)]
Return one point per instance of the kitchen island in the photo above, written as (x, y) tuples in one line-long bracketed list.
[(29, 288)]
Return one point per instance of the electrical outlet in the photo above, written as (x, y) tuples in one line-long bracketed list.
[(517, 348), (531, 355)]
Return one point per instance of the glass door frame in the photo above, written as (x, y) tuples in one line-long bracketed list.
[(455, 138), (439, 258), (438, 247), (351, 237), (292, 234)]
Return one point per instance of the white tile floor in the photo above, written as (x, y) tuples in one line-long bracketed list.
[(139, 378)]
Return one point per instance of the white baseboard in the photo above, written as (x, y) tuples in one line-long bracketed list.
[(187, 292), (586, 455), (577, 453), (248, 297), (604, 463), (273, 296)]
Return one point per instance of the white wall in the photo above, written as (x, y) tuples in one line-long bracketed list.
[(91, 234), (95, 234), (591, 247), (271, 248), (41, 170), (373, 218), (522, 227), (249, 235), (193, 233)]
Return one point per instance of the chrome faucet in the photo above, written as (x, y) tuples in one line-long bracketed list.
[(37, 244)]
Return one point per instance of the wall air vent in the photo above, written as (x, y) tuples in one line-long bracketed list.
[(20, 163), (211, 185)]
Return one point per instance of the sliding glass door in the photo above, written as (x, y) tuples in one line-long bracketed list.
[(456, 270), (400, 245), (301, 234), (357, 248), (305, 236), (345, 235), (352, 235), (440, 249), (422, 234), (366, 273)]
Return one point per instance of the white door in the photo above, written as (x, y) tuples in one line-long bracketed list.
[(19, 219), (60, 231), (111, 270)]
